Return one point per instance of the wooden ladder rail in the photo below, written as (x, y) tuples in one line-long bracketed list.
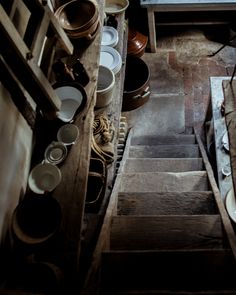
[(224, 215), (22, 53)]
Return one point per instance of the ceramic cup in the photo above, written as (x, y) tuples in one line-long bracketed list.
[(68, 134)]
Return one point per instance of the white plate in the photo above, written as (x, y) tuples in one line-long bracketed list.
[(225, 141), (231, 204), (110, 58), (109, 36)]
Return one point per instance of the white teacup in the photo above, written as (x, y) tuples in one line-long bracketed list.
[(68, 134)]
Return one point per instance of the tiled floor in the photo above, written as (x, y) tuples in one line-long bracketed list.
[(179, 74)]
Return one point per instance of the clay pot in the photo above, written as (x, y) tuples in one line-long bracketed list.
[(137, 43), (136, 84), (79, 19), (36, 219)]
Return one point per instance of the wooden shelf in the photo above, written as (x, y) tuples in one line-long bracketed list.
[(113, 112), (219, 126)]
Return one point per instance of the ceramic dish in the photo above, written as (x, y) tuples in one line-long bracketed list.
[(68, 134), (55, 153), (77, 15), (110, 58), (226, 170), (231, 204), (225, 141), (109, 36), (44, 177), (73, 98), (116, 6)]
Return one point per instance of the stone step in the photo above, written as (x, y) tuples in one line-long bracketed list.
[(164, 151), (164, 182), (166, 203), (186, 272), (163, 164), (164, 232), (168, 292), (162, 139)]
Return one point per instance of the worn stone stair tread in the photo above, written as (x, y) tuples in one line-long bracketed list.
[(169, 292), (166, 203), (167, 232), (164, 181), (164, 151), (163, 164), (190, 270), (164, 139)]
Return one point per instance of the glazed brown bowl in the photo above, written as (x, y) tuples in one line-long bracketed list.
[(137, 43), (77, 15)]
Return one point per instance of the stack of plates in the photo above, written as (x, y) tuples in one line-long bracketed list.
[(109, 36), (231, 204), (110, 58)]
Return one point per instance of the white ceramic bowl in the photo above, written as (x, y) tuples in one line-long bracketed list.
[(105, 86), (73, 98), (68, 134), (44, 177)]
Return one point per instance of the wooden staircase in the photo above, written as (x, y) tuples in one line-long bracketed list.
[(166, 230)]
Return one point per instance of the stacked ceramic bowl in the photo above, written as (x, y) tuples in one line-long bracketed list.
[(79, 19)]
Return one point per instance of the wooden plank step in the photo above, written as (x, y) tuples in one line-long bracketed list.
[(164, 151), (166, 203), (164, 182), (163, 232), (162, 139), (190, 271), (168, 292), (163, 164)]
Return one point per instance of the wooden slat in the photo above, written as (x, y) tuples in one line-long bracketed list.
[(17, 93), (163, 164), (168, 270), (18, 57), (224, 215), (164, 181), (163, 139), (164, 151), (166, 203), (36, 7), (38, 41), (166, 232)]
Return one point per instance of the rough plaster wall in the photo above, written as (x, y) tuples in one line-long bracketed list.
[(15, 151)]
